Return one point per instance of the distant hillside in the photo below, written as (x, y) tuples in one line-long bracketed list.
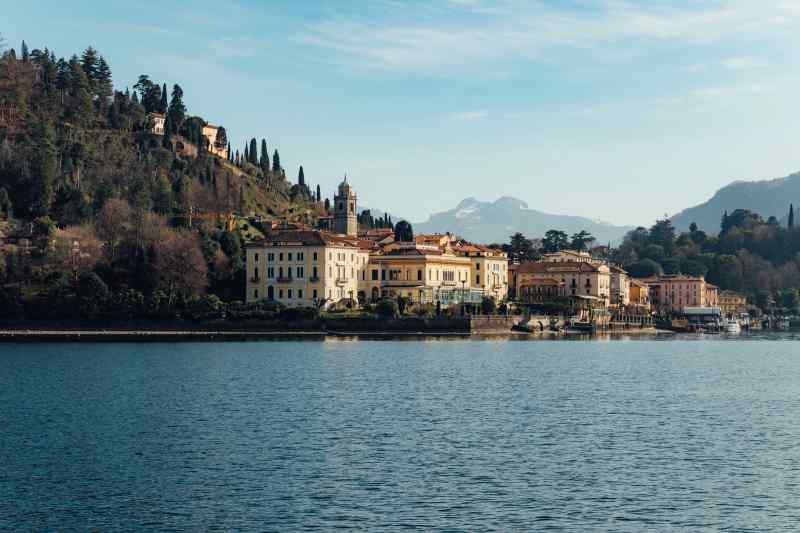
[(491, 222), (767, 198)]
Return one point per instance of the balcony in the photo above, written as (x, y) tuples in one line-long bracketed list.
[(284, 279), (341, 282), (314, 279), (255, 279)]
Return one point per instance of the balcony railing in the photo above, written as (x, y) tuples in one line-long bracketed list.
[(255, 279), (285, 279), (341, 282), (313, 279)]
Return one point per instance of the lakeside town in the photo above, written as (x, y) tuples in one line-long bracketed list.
[(339, 265), (119, 206)]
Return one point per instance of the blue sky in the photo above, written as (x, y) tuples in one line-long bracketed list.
[(611, 109)]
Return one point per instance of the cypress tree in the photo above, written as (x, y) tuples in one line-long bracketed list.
[(24, 51), (319, 194), (301, 178), (264, 161), (230, 154), (276, 161), (177, 111), (246, 153), (724, 224), (162, 105), (791, 216), (253, 152)]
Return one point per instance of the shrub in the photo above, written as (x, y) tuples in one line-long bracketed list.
[(386, 308)]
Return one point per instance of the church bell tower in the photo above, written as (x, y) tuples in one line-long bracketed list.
[(344, 210)]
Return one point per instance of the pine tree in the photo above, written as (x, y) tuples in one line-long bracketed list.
[(25, 53), (263, 162), (90, 64), (105, 86), (80, 96), (791, 216), (253, 152), (43, 171), (276, 161), (162, 102)]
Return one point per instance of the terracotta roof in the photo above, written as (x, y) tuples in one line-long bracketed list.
[(541, 267), (543, 281), (303, 236)]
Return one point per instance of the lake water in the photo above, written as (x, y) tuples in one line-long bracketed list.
[(442, 435)]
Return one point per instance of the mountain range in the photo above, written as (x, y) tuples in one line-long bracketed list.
[(767, 198), (494, 222)]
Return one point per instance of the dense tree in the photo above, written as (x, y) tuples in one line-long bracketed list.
[(555, 241), (581, 241), (403, 232), (43, 170)]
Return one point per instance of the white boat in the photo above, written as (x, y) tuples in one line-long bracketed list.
[(731, 326)]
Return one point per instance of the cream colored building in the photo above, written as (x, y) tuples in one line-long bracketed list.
[(299, 267), (217, 146), (568, 256), (574, 278), (732, 303), (620, 287), (345, 220), (157, 120)]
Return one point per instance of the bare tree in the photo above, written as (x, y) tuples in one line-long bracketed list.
[(114, 224), (180, 264)]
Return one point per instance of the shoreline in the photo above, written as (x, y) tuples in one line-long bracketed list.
[(8, 336)]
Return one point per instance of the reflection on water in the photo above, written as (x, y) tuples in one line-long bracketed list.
[(458, 435)]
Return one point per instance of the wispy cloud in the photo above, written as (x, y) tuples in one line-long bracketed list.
[(470, 115), (743, 63), (514, 30)]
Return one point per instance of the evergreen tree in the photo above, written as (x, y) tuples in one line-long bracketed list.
[(24, 52), (80, 96), (319, 194), (253, 152), (162, 103), (327, 204), (276, 161), (724, 225), (246, 153), (169, 129), (105, 86), (230, 154), (177, 110), (791, 216), (43, 171), (263, 162), (90, 64), (301, 178), (162, 196)]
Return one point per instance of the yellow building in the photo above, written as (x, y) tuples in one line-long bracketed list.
[(639, 294), (620, 287), (732, 303), (423, 273), (488, 269), (299, 267)]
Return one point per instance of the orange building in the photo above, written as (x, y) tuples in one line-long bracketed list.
[(675, 292)]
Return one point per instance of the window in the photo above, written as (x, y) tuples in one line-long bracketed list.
[(290, 256), (280, 256), (255, 273), (314, 293), (255, 294), (301, 256), (270, 257), (271, 272), (419, 275), (289, 293), (448, 275), (280, 272), (255, 257), (280, 294), (478, 279), (314, 272), (300, 273), (300, 293), (315, 256), (383, 275), (374, 275), (330, 272), (477, 266)]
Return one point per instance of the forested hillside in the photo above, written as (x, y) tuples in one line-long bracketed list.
[(91, 199)]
